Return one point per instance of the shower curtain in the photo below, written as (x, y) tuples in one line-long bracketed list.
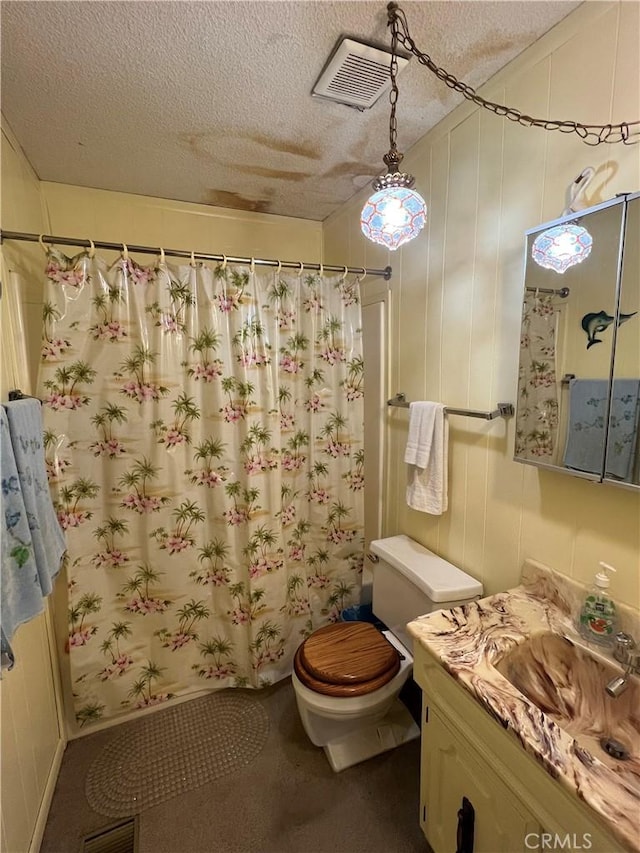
[(204, 434), (537, 410)]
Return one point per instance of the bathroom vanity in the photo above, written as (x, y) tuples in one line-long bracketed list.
[(513, 715)]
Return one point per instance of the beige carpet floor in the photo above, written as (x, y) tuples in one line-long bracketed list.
[(287, 800)]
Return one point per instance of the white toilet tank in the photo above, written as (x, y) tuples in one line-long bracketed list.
[(409, 581)]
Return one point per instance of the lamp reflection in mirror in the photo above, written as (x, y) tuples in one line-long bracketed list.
[(562, 246), (393, 215)]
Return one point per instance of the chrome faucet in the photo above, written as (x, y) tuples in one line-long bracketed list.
[(625, 651)]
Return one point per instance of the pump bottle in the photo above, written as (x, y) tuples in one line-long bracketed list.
[(598, 613)]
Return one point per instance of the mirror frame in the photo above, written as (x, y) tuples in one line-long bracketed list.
[(621, 199), (628, 198)]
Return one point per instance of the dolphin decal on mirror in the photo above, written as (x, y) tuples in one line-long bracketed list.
[(600, 322)]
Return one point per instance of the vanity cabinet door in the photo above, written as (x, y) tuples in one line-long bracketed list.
[(452, 770)]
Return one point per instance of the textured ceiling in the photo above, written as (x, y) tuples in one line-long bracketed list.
[(210, 101)]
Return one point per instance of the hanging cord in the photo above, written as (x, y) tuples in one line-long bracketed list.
[(591, 134)]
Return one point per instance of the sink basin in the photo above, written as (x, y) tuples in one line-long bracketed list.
[(567, 683)]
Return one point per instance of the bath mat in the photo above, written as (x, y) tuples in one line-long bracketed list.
[(176, 750), (120, 838)]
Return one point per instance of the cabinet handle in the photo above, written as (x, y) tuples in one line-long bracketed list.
[(466, 825)]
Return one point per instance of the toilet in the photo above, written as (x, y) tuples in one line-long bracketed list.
[(348, 675)]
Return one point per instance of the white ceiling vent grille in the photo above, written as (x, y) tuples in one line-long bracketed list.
[(357, 74)]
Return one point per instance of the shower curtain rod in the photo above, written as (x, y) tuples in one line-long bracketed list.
[(562, 292), (181, 253)]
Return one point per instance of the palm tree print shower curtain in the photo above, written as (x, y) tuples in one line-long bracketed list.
[(538, 410), (204, 443)]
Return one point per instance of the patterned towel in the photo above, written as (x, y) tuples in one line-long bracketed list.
[(586, 432), (623, 429), (25, 429), (20, 582), (584, 450)]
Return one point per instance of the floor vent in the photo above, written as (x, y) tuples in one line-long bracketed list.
[(119, 838), (356, 74)]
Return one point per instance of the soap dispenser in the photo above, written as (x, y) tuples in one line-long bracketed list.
[(598, 614)]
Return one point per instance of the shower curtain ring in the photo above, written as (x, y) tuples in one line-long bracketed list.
[(92, 250), (321, 270), (224, 262), (46, 249), (344, 274), (125, 252), (193, 259), (252, 266), (162, 257), (301, 270), (279, 270)]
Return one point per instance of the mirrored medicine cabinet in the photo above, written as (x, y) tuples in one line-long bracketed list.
[(578, 403)]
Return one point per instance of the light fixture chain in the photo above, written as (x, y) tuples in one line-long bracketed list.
[(393, 94), (591, 134)]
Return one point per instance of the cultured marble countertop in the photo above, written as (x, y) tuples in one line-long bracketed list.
[(468, 641)]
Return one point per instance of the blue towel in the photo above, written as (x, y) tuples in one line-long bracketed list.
[(25, 429), (623, 429), (21, 591), (586, 431), (584, 450)]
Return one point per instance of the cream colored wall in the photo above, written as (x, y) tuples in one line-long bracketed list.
[(32, 732), (114, 217), (457, 295)]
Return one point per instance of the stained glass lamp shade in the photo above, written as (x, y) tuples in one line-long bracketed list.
[(561, 247), (393, 215)]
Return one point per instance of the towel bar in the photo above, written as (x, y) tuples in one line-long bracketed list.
[(16, 394), (504, 410)]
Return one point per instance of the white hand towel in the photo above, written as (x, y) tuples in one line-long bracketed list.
[(421, 428), (427, 453)]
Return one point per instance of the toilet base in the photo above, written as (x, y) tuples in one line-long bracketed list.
[(395, 728)]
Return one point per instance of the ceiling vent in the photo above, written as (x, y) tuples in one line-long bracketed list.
[(356, 74)]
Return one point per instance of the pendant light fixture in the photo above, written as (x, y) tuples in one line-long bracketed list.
[(395, 213), (563, 246)]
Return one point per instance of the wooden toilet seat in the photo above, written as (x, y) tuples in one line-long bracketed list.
[(346, 659)]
